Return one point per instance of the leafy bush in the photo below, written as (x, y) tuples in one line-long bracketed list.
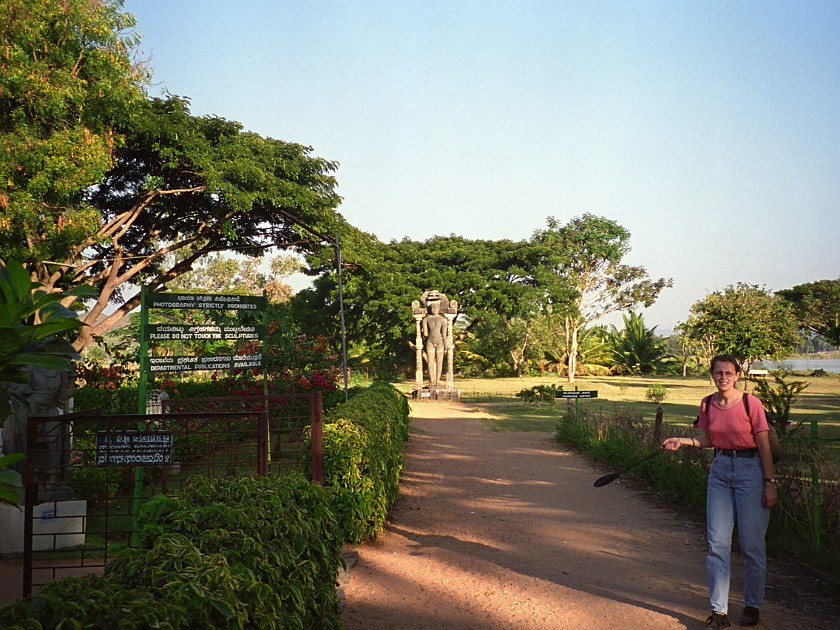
[(229, 553), (30, 319), (93, 602), (778, 398), (656, 393), (540, 393), (277, 534), (245, 552), (10, 480), (122, 399), (363, 441)]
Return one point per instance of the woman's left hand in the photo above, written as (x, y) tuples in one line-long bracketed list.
[(770, 495)]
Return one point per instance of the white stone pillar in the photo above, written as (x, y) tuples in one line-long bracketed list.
[(450, 350), (418, 345)]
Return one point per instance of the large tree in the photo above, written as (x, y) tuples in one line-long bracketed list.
[(222, 273), (106, 188), (743, 320), (817, 306), (189, 186), (67, 80), (586, 257)]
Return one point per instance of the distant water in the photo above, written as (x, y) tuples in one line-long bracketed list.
[(801, 365)]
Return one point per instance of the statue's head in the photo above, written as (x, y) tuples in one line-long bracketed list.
[(434, 307)]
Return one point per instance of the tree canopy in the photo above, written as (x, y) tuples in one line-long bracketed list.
[(586, 257), (743, 320), (196, 185), (510, 291), (382, 279), (817, 307), (104, 187), (67, 79)]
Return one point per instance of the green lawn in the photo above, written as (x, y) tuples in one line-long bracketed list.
[(820, 401)]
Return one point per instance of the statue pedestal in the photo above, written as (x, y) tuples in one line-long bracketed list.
[(438, 392), (55, 525)]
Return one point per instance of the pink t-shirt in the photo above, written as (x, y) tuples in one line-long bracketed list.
[(732, 428)]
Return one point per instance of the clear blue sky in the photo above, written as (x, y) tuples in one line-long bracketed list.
[(710, 130)]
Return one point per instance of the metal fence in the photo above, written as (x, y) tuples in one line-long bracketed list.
[(88, 474), (289, 416)]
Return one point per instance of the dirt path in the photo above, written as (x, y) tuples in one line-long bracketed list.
[(505, 530)]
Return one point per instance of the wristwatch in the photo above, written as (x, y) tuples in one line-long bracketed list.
[(769, 480)]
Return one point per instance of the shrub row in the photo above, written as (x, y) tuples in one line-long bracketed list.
[(245, 552), (363, 440)]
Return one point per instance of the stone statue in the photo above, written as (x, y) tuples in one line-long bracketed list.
[(434, 332), (434, 315), (47, 393)]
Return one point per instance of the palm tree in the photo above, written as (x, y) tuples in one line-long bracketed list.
[(638, 349), (593, 347)]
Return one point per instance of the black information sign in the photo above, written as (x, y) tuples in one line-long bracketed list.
[(591, 393), (180, 332), (205, 301), (133, 448), (185, 364)]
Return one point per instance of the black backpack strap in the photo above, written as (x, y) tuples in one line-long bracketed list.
[(704, 406), (746, 400)]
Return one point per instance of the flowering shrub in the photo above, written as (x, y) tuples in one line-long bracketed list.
[(301, 362), (293, 364), (98, 374)]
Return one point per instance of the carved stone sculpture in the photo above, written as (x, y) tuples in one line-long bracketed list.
[(434, 315), (47, 393), (435, 333)]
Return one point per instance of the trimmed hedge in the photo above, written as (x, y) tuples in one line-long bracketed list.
[(243, 552), (363, 440)]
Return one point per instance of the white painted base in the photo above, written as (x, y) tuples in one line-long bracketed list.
[(55, 525)]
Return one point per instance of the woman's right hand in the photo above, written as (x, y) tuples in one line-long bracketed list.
[(672, 444)]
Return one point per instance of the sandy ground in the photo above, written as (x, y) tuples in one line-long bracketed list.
[(505, 530)]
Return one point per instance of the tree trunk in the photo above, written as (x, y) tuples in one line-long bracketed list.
[(573, 350)]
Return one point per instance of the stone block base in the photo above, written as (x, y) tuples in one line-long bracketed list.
[(55, 525), (436, 393)]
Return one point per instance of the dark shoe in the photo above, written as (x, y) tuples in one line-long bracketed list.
[(749, 617), (718, 620)]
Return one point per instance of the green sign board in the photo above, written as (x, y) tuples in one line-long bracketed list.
[(185, 364), (205, 301), (577, 394), (179, 332)]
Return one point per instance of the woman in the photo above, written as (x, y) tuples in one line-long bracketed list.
[(740, 486)]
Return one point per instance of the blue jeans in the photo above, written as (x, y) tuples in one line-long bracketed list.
[(735, 490)]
